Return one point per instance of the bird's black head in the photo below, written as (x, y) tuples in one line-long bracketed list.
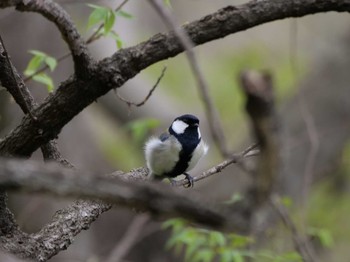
[(186, 126), (191, 120)]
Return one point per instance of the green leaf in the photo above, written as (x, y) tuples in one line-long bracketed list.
[(238, 241), (176, 224), (109, 21), (117, 39), (323, 235), (37, 60), (226, 256), (192, 248), (51, 62), (237, 256), (216, 239), (204, 255), (37, 53), (97, 16), (46, 80), (124, 14), (33, 65)]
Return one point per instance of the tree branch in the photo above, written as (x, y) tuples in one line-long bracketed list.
[(74, 95), (157, 198)]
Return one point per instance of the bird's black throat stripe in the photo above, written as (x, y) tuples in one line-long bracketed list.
[(189, 142)]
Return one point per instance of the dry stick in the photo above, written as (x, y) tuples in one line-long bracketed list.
[(129, 239), (91, 39), (129, 103), (233, 159), (212, 115), (300, 243)]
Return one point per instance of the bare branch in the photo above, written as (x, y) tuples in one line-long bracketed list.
[(211, 113), (233, 159), (13, 83)]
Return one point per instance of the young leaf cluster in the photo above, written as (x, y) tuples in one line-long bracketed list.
[(39, 60), (105, 17)]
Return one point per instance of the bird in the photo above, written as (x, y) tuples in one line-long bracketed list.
[(176, 151)]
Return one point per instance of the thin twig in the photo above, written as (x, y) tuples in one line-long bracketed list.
[(129, 239), (212, 115), (234, 159), (300, 242), (306, 115), (130, 103)]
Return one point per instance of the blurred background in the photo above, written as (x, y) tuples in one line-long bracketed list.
[(309, 59)]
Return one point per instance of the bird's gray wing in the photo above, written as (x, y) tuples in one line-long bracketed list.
[(164, 136)]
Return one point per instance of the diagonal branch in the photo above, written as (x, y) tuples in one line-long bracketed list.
[(13, 83)]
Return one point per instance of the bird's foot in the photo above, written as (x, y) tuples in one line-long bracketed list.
[(190, 181), (172, 182)]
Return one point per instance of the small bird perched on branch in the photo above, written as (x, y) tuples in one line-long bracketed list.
[(177, 151)]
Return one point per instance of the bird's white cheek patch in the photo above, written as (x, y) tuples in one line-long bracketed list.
[(179, 126)]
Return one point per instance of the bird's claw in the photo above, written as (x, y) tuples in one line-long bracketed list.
[(172, 182), (190, 181)]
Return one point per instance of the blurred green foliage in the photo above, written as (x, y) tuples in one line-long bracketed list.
[(202, 245)]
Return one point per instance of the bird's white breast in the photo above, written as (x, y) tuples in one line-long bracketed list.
[(198, 153), (161, 157)]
